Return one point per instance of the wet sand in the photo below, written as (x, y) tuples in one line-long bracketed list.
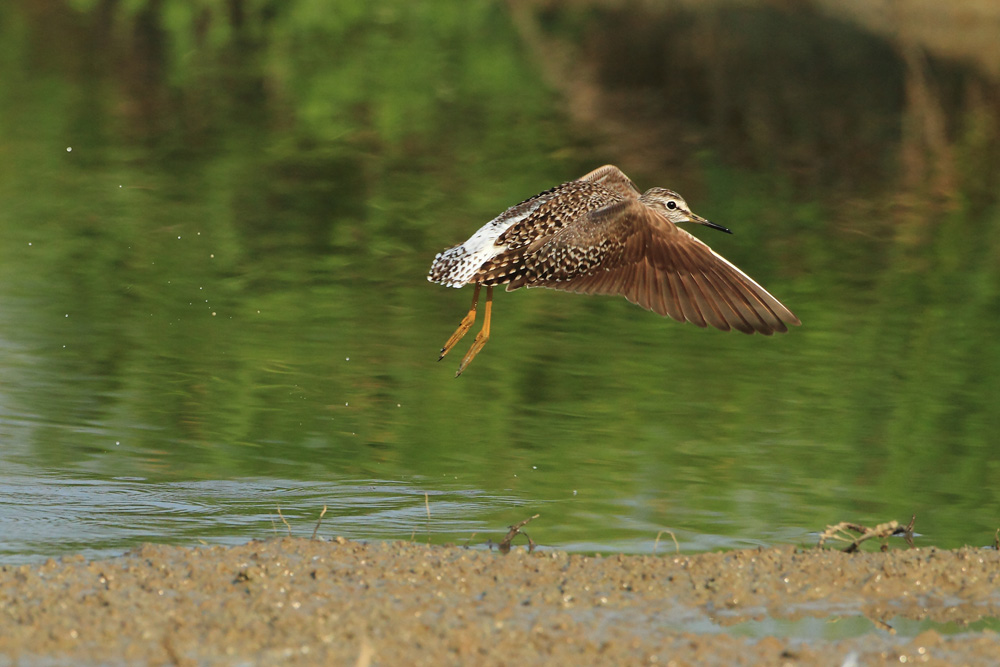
[(298, 601)]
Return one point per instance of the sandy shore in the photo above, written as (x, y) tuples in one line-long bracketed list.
[(297, 601)]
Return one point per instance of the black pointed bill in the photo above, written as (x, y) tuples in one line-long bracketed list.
[(702, 221)]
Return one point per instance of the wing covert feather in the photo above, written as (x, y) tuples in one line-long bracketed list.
[(629, 249)]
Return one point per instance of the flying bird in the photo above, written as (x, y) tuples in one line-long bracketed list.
[(600, 235)]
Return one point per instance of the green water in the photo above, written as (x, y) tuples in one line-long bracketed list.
[(214, 235)]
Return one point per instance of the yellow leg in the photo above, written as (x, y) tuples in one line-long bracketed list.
[(482, 336), (465, 325)]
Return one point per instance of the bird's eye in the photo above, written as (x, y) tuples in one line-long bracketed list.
[(671, 205)]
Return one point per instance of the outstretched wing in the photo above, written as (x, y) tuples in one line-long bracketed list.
[(611, 177), (629, 249)]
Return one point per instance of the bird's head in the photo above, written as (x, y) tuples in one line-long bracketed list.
[(674, 208)]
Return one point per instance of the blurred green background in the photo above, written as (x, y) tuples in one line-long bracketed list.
[(216, 219)]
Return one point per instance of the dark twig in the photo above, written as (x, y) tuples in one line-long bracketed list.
[(882, 625), (504, 545), (908, 531)]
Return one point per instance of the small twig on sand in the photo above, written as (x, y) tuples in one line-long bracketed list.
[(318, 521), (996, 540), (282, 516), (883, 531), (677, 547), (427, 505), (504, 545)]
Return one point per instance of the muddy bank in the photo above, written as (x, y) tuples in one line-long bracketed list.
[(297, 601)]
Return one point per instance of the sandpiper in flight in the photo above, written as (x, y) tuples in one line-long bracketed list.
[(599, 235)]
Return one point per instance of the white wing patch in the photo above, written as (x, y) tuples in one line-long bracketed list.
[(456, 266)]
